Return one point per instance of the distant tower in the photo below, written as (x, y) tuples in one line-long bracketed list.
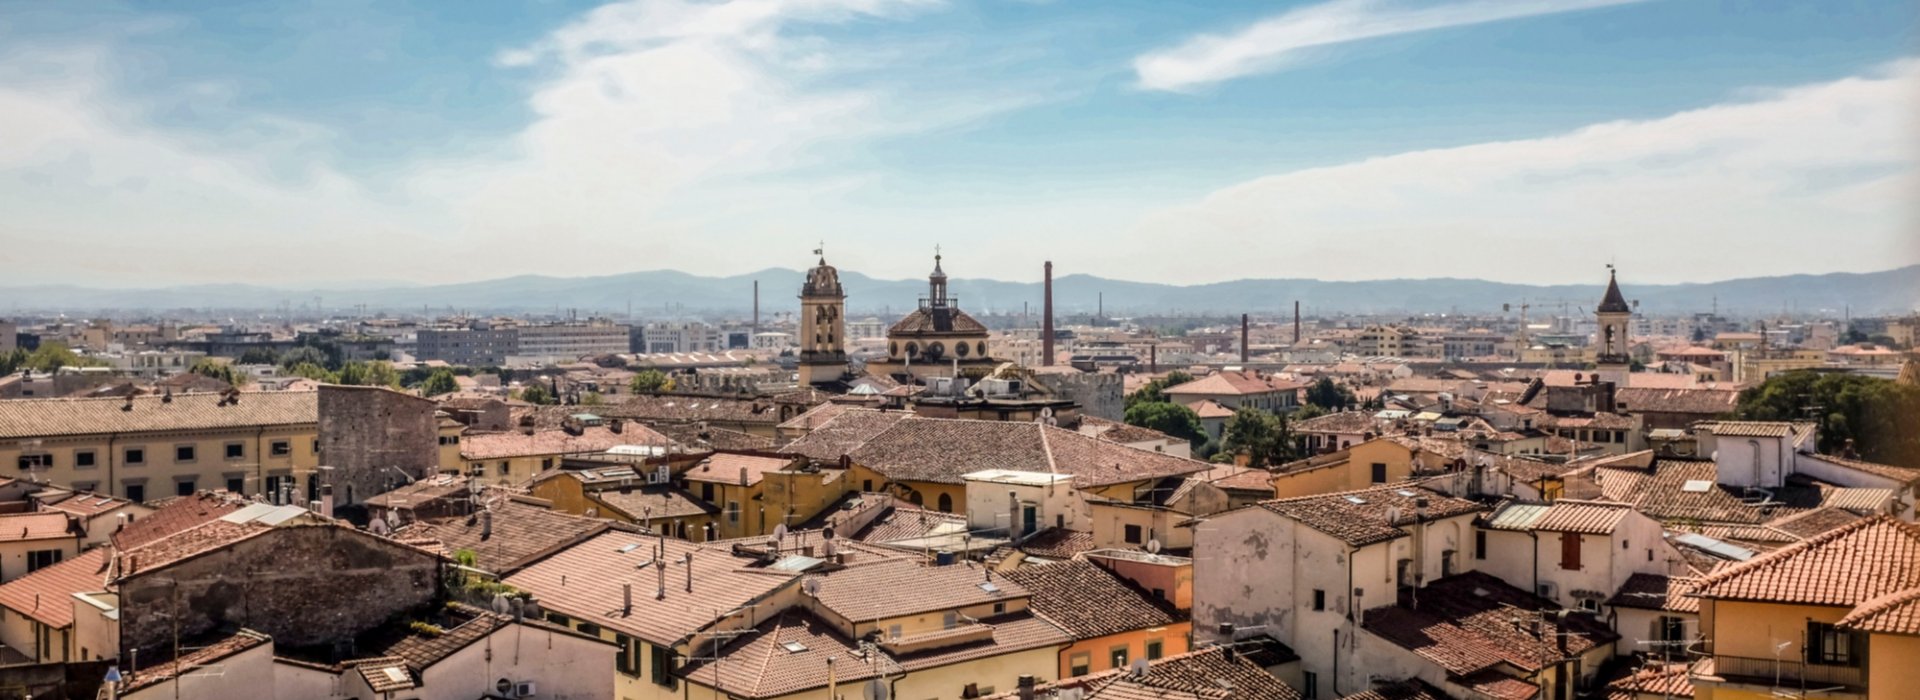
[(1614, 358), (823, 349)]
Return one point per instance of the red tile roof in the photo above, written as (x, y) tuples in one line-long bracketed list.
[(26, 418), (47, 595), (1369, 516), (844, 433), (554, 441), (876, 590), (188, 543), (1656, 592), (1088, 601), (1893, 613), (941, 450), (1466, 624), (1584, 517), (1670, 680), (1058, 543), (1887, 471), (1410, 689), (174, 516), (86, 505), (1845, 566), (1206, 674), (20, 527), (1234, 384), (736, 469), (520, 533), (151, 674)]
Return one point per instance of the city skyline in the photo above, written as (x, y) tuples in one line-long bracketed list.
[(312, 145)]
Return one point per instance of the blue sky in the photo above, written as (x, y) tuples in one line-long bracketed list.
[(1521, 140)]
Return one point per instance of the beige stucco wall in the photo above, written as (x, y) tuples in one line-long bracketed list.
[(210, 469)]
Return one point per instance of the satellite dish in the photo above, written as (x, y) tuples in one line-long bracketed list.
[(1153, 546), (827, 533), (500, 604), (829, 548), (1138, 668), (874, 690), (380, 527), (812, 587), (780, 532)]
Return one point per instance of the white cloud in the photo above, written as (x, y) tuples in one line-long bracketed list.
[(1267, 45), (1814, 178)]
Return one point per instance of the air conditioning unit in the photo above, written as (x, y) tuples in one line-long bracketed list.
[(525, 689)]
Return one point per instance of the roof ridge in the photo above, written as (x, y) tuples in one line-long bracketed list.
[(1792, 550)]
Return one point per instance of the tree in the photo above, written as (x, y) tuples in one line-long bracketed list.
[(1328, 395), (1305, 412), (1155, 391), (439, 382), (1265, 437), (537, 394), (375, 373), (651, 381), (306, 355), (1877, 415), (49, 357), (208, 367), (1170, 418), (258, 356), (592, 398), (312, 371)]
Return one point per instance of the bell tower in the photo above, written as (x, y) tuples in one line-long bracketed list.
[(1614, 356), (823, 325)]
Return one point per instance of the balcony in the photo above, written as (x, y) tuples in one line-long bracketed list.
[(1792, 673)]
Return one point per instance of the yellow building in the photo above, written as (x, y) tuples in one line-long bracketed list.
[(149, 447), (936, 339), (1838, 613), (514, 457), (1371, 463), (41, 609), (628, 494), (1112, 623)]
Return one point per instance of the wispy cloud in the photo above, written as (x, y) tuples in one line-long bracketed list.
[(1269, 44), (1815, 178)]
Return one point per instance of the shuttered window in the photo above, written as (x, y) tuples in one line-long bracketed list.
[(1570, 551)]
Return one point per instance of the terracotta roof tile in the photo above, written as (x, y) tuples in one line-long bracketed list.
[(1342, 422), (20, 527), (1088, 601), (187, 543), (895, 587), (1234, 384), (1887, 471), (1360, 518), (1814, 522), (555, 441), (1058, 543), (520, 532), (1584, 517), (735, 468), (47, 595), (1844, 566), (905, 522), (687, 408), (1494, 684), (24, 418), (1893, 613), (172, 517), (87, 505), (1465, 624), (1410, 689), (1656, 592), (151, 674), (1705, 402), (1670, 680), (1660, 492), (702, 436), (844, 433), (942, 450), (1206, 674)]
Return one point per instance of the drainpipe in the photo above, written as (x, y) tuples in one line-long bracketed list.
[(112, 486), (1352, 603)]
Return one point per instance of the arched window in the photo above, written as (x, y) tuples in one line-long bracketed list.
[(893, 348), (915, 499), (982, 345), (946, 503)]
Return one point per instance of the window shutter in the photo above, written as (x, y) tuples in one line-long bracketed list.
[(1570, 550)]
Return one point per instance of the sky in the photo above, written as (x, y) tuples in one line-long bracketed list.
[(345, 143)]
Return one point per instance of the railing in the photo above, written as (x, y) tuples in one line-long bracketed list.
[(1790, 672)]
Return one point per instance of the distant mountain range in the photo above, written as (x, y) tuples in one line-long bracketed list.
[(660, 293)]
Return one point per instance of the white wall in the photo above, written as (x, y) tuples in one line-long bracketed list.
[(294, 682), (1243, 573), (1740, 461), (248, 674), (1510, 557), (565, 666)]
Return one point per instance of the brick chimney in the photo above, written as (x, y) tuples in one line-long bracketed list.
[(1046, 320)]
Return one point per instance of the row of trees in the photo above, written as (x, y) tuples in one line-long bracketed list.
[(49, 357), (1880, 418)]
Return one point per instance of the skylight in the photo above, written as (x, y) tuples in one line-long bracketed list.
[(989, 587), (1403, 493), (793, 647), (1697, 486), (1356, 500), (629, 547)]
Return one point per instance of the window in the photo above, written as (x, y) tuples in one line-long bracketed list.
[(944, 503), (1133, 534), (866, 486), (1403, 573), (506, 468), (183, 454), (280, 448), (733, 512), (706, 492), (236, 450), (589, 629), (1118, 656), (1155, 649), (661, 659), (1446, 563), (183, 487), (1310, 685), (1670, 629), (1079, 664), (1829, 646), (1379, 473), (41, 559), (236, 484), (1570, 551), (628, 662), (316, 445), (546, 464), (1591, 605), (84, 459), (1319, 599), (136, 492), (999, 608), (135, 457), (36, 461)]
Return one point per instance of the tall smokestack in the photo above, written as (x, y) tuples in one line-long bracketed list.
[(1243, 340), (756, 312), (1296, 322), (1153, 358), (1046, 321)]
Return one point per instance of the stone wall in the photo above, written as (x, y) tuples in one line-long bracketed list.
[(375, 439), (304, 585), (1099, 395)]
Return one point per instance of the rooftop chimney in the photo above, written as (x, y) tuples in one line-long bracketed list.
[(1046, 320), (626, 599), (1296, 322), (326, 500), (1026, 685)]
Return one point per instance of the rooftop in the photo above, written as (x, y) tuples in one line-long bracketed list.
[(941, 450), (20, 527), (175, 516), (889, 588), (1207, 674), (736, 468), (1656, 592), (1088, 601), (844, 432), (1845, 566), (520, 532), (1474, 622), (556, 441), (1369, 516), (1234, 384), (30, 418), (47, 595)]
